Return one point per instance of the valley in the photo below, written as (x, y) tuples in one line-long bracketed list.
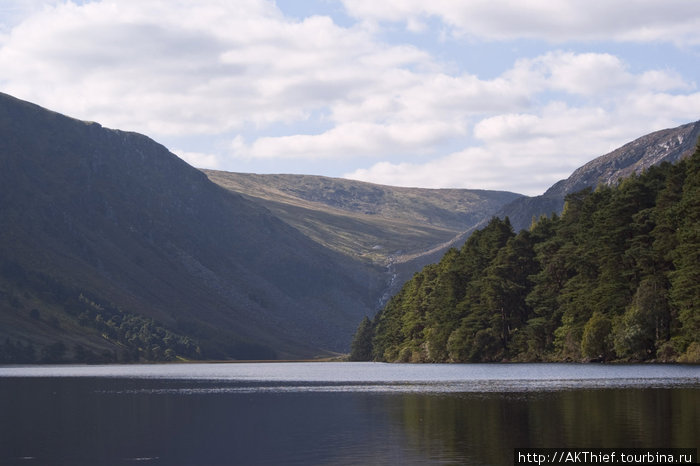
[(114, 249)]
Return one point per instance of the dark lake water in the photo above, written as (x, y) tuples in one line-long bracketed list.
[(337, 413)]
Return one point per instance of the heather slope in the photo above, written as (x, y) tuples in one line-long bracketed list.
[(111, 215)]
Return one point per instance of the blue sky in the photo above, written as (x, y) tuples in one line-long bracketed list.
[(472, 94)]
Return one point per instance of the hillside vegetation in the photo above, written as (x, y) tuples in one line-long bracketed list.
[(615, 277), (114, 249), (666, 145), (376, 223)]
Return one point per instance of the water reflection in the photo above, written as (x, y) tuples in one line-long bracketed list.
[(116, 420), (484, 429)]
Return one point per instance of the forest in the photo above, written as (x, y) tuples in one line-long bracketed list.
[(615, 277)]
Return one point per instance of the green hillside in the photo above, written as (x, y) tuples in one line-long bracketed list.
[(615, 277), (363, 220)]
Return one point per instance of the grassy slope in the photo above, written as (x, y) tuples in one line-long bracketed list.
[(363, 220)]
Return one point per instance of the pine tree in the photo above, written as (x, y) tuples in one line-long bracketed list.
[(685, 279), (616, 275), (361, 348)]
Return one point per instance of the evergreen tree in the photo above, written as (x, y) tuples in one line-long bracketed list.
[(596, 340), (685, 279), (361, 348), (616, 275), (640, 327)]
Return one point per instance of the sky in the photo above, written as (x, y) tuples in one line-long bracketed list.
[(483, 94)]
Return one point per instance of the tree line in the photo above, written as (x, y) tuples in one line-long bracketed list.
[(137, 337), (615, 277)]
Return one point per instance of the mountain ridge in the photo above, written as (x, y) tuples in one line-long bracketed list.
[(367, 215), (120, 249), (398, 229), (615, 277), (666, 145), (116, 215)]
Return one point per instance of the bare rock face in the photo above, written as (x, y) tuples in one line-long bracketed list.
[(668, 145)]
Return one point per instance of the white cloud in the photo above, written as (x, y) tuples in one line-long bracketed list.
[(586, 74), (311, 90), (13, 12), (198, 159), (201, 67), (354, 139), (664, 109), (597, 75), (528, 152), (676, 21)]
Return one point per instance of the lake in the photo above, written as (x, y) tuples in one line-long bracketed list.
[(338, 413)]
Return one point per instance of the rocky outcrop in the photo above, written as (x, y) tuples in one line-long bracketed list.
[(668, 145)]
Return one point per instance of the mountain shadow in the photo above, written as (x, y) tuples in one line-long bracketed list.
[(399, 229), (108, 236)]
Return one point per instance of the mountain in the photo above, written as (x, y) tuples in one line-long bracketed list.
[(399, 229), (364, 220), (114, 248), (615, 277), (668, 145)]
